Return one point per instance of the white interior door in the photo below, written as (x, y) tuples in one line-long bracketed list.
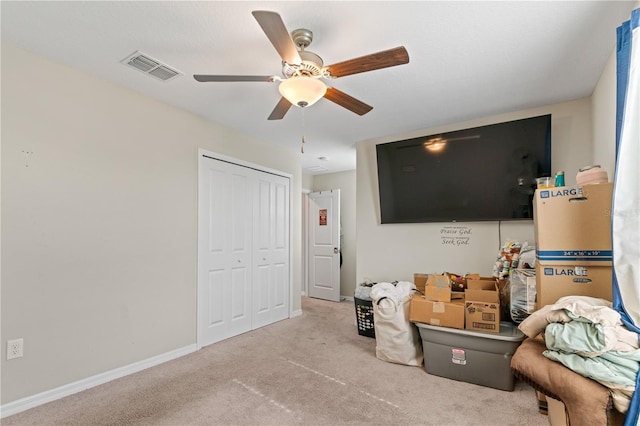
[(224, 251), (324, 245)]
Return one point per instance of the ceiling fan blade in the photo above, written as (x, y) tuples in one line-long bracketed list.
[(222, 78), (277, 33), (374, 61), (280, 110), (346, 101)]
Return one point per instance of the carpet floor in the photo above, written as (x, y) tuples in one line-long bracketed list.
[(310, 370)]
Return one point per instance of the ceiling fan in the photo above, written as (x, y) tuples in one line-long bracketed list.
[(302, 70)]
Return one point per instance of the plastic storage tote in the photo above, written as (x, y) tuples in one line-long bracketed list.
[(471, 356)]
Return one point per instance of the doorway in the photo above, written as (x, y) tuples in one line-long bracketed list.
[(323, 221)]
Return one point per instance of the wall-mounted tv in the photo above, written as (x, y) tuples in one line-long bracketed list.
[(484, 173)]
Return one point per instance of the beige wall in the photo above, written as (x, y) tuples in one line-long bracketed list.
[(307, 182), (99, 224), (346, 183), (396, 251), (603, 103)]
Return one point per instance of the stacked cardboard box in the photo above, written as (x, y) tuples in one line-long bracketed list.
[(573, 242), (477, 308), (443, 314), (482, 305), (437, 304)]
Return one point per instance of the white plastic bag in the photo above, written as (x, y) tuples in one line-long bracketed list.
[(397, 339)]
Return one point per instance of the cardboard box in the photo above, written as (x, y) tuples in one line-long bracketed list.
[(478, 277), (556, 412), (443, 314), (573, 225), (471, 356), (556, 281), (482, 306), (420, 281), (438, 289), (558, 415), (437, 294)]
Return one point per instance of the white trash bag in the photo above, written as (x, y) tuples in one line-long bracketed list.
[(397, 338)]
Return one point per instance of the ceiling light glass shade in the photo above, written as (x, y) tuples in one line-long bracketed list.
[(302, 91)]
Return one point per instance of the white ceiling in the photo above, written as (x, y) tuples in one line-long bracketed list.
[(468, 59)]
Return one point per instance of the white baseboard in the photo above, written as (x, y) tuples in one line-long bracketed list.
[(296, 313), (26, 403), (350, 298)]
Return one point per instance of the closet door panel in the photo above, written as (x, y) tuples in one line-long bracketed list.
[(224, 252), (271, 206), (261, 290), (281, 289), (280, 250), (215, 287), (281, 236), (262, 268)]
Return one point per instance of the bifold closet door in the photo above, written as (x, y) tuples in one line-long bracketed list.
[(224, 264), (243, 249), (271, 249)]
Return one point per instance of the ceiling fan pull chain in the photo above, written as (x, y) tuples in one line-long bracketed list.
[(303, 141)]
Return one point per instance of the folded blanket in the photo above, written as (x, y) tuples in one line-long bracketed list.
[(603, 331), (589, 339), (587, 336), (617, 368), (616, 371), (591, 308)]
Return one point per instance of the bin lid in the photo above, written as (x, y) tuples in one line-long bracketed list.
[(508, 331)]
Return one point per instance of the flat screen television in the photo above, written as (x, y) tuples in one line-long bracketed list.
[(484, 173)]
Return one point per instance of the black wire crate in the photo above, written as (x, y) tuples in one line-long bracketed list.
[(364, 317)]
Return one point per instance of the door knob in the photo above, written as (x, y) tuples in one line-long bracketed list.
[(335, 250)]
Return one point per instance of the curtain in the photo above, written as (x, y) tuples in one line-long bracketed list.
[(626, 199)]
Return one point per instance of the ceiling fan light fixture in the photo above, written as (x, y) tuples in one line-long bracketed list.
[(435, 144), (302, 91)]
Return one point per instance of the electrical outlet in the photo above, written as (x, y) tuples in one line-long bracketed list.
[(14, 348)]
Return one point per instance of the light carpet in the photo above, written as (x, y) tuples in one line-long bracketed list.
[(311, 370)]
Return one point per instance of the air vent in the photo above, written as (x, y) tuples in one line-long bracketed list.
[(151, 66)]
